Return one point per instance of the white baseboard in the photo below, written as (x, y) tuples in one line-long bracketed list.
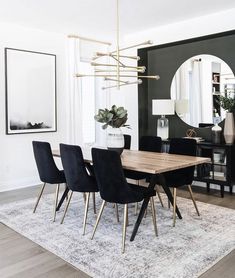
[(19, 183)]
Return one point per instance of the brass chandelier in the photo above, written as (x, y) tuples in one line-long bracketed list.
[(118, 72)]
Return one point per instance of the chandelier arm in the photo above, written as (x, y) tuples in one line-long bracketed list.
[(122, 70), (117, 50), (111, 75), (139, 81), (111, 79), (120, 63), (133, 46), (100, 54), (113, 65)]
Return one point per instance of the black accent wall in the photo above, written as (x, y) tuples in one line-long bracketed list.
[(164, 60)]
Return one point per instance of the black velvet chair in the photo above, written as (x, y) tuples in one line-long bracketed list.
[(47, 169), (77, 177), (181, 177), (114, 187), (127, 141), (150, 144)]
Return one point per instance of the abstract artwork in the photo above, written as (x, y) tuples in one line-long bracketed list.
[(30, 91)]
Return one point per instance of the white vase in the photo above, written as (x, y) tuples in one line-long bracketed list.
[(229, 130), (115, 139)]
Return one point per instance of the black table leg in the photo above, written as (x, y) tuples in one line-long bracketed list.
[(144, 206), (222, 191), (63, 198), (140, 217), (208, 187)]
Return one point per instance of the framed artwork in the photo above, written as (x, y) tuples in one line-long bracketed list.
[(30, 91)]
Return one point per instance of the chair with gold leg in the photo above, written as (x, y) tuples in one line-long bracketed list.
[(114, 188), (77, 177), (181, 177), (48, 171)]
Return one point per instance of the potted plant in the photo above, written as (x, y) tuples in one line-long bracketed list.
[(114, 118), (228, 104)]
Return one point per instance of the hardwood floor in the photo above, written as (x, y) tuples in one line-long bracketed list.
[(22, 258)]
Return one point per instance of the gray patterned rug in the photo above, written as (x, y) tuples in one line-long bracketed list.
[(189, 249)]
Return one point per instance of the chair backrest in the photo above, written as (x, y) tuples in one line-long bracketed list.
[(183, 146), (109, 174), (150, 144), (47, 168), (127, 141), (75, 171)]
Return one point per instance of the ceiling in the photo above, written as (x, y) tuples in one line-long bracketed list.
[(96, 18)]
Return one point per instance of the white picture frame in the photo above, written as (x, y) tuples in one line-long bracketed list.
[(30, 79)]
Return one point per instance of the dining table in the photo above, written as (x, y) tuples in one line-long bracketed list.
[(153, 163)]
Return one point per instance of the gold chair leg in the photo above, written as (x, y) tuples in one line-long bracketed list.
[(117, 213), (154, 215), (98, 218), (136, 208), (56, 200), (124, 227), (194, 202), (159, 196), (66, 207), (94, 203), (174, 206), (39, 197), (85, 214)]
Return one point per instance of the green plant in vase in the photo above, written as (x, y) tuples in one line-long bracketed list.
[(228, 104), (116, 117)]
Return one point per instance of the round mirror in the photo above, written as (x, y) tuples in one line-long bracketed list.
[(196, 88)]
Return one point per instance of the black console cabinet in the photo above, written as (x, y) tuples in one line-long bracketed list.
[(221, 170)]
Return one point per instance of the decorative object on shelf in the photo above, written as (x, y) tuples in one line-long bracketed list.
[(163, 107), (115, 118), (118, 71), (228, 104), (216, 134), (191, 132)]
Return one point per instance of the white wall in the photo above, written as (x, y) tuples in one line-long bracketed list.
[(17, 166), (196, 27)]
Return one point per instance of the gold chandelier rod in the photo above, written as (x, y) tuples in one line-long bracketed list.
[(157, 77), (111, 79), (113, 65), (120, 85), (100, 54), (117, 50), (71, 36), (121, 70), (132, 46)]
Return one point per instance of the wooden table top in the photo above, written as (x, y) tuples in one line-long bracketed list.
[(150, 162)]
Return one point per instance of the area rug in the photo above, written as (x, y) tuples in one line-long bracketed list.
[(189, 249)]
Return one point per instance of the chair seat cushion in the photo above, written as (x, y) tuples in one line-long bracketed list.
[(178, 178), (59, 177), (89, 186), (135, 194), (134, 175)]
